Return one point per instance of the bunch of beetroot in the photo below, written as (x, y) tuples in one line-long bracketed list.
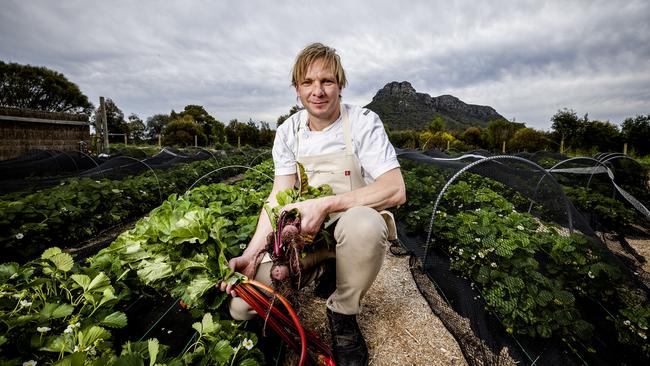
[(285, 246)]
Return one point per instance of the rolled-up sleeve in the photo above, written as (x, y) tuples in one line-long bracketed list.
[(284, 159), (376, 153)]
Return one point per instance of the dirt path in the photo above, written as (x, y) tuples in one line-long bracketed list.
[(398, 324)]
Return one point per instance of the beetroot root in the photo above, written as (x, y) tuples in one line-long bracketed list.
[(280, 272)]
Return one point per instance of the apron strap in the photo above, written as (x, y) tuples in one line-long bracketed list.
[(346, 131)]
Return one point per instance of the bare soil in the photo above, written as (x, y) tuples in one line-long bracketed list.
[(399, 326)]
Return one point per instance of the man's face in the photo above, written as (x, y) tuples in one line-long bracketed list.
[(319, 92)]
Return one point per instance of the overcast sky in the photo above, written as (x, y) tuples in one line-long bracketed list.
[(526, 59)]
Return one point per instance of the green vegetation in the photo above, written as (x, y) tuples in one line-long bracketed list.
[(538, 280), (77, 209), (54, 310), (39, 88)]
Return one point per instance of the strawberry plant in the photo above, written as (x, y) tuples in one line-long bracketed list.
[(536, 279), (80, 208), (180, 248)]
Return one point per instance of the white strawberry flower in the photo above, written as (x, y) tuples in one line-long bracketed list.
[(25, 303), (29, 363), (19, 236), (247, 343), (43, 329)]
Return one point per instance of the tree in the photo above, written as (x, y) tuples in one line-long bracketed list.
[(181, 132), (435, 140), (156, 124), (437, 125), (39, 88), (501, 130), (240, 134), (284, 117), (565, 125), (136, 128), (636, 132), (405, 139), (472, 136), (267, 135), (212, 128), (528, 139), (599, 136)]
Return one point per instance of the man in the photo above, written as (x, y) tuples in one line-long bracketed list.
[(346, 147)]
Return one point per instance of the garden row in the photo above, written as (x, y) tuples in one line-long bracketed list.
[(538, 280), (53, 310), (79, 209)]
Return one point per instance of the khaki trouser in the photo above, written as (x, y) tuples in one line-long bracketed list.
[(361, 237)]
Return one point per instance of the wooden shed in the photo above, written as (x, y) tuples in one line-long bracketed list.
[(22, 130)]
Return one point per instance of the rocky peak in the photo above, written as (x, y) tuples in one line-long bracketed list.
[(395, 89), (401, 107)]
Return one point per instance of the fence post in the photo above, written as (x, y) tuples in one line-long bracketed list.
[(196, 141), (125, 140), (102, 107), (448, 145), (159, 140), (625, 148), (503, 147)]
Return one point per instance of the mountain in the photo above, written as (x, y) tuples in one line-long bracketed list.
[(401, 107)]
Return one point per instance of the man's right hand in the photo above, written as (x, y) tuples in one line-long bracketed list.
[(244, 264)]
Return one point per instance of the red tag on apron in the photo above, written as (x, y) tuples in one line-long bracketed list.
[(347, 173)]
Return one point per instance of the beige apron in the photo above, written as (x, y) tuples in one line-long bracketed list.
[(341, 170)]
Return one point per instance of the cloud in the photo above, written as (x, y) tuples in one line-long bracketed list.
[(526, 59)]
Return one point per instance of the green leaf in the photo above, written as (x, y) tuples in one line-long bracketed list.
[(283, 199), (50, 252), (153, 271), (249, 362), (304, 182), (3, 340), (222, 351), (115, 320), (7, 270), (107, 295), (56, 344), (82, 280), (90, 335), (75, 359), (207, 323), (54, 311), (99, 282), (185, 264), (153, 347), (62, 261), (198, 287)]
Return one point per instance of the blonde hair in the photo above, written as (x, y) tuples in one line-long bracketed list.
[(313, 52)]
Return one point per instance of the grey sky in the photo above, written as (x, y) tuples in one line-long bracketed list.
[(527, 59)]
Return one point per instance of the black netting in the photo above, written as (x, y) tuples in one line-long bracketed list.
[(46, 168), (475, 196)]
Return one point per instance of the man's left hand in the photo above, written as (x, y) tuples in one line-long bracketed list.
[(313, 213)]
